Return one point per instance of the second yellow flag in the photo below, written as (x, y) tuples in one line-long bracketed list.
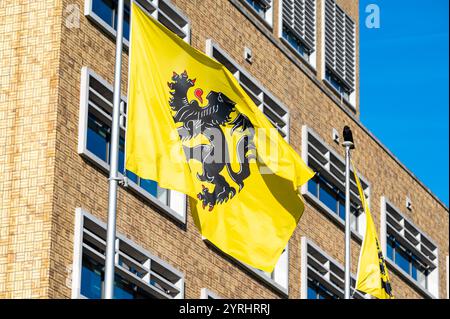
[(373, 277)]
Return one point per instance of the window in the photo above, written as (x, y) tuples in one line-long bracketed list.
[(279, 277), (107, 11), (138, 274), (95, 136), (104, 14), (263, 9), (318, 291), (340, 51), (298, 27), (274, 110), (208, 294), (322, 277), (409, 250), (279, 116), (327, 188), (407, 260)]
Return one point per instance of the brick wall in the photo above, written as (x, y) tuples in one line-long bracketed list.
[(29, 61)]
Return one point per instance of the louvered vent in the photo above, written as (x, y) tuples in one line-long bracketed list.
[(340, 42), (266, 4), (299, 17)]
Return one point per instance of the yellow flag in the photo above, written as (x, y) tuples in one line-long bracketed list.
[(372, 277), (192, 128)]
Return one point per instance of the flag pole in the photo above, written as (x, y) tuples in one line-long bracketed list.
[(348, 144), (114, 160)]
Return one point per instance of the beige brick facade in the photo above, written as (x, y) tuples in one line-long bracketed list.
[(43, 179)]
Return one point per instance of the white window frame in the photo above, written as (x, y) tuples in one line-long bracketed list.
[(361, 221), (205, 293), (279, 278), (351, 101), (421, 240), (268, 18), (153, 7), (177, 202), (81, 216), (312, 58), (326, 267)]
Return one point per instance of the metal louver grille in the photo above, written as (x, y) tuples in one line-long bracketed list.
[(340, 39), (329, 273), (266, 3), (299, 16), (273, 109)]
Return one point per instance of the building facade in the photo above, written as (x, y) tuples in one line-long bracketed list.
[(299, 62)]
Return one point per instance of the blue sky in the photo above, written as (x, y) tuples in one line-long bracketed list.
[(404, 85)]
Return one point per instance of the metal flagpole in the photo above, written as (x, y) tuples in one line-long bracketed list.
[(113, 173), (348, 144)]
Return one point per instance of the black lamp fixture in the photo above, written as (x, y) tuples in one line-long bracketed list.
[(348, 137)]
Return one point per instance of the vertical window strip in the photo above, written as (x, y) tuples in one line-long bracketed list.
[(261, 7), (340, 44), (408, 247), (139, 275), (325, 277), (328, 186), (104, 12), (99, 127), (299, 22), (94, 144)]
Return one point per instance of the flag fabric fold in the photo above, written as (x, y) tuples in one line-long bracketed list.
[(192, 128), (372, 276)]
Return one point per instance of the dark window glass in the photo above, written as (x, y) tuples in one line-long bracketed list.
[(418, 271), (312, 293), (341, 210), (105, 10), (132, 176), (126, 24), (123, 289), (337, 84), (327, 197), (150, 186), (390, 249), (414, 270), (98, 142), (331, 196), (126, 20), (295, 42), (257, 6), (121, 155), (402, 260), (318, 291), (406, 260), (98, 136), (91, 279), (324, 296), (342, 207), (312, 186)]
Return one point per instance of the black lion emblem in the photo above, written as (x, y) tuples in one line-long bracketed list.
[(209, 121)]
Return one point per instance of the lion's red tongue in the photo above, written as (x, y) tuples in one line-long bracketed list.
[(198, 94)]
